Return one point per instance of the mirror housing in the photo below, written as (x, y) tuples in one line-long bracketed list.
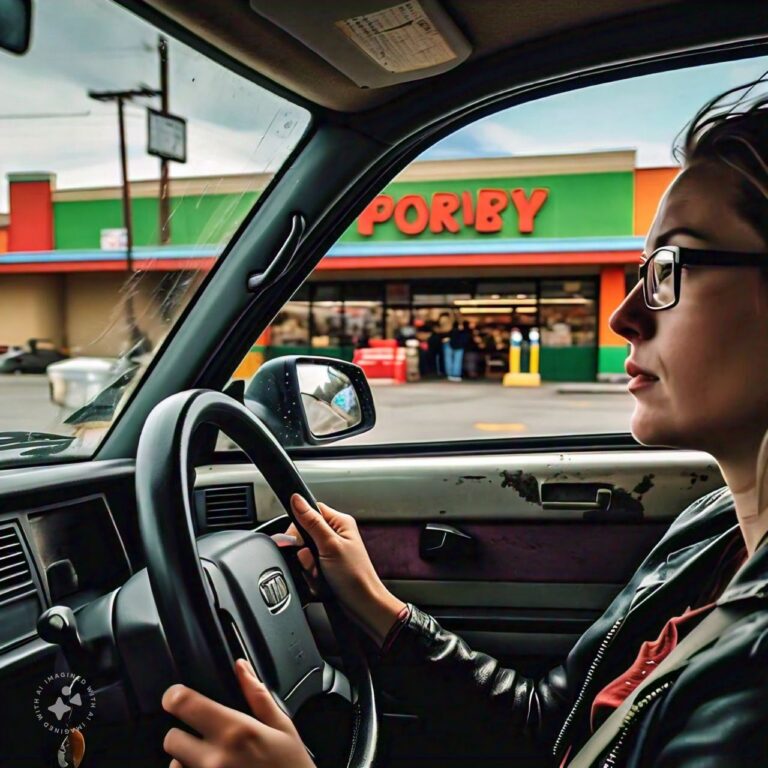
[(308, 400), (15, 25)]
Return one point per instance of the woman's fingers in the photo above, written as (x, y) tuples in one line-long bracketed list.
[(187, 749), (259, 699), (207, 717), (313, 522), (307, 560), (292, 530)]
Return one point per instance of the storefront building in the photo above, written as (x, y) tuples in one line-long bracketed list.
[(546, 242), (528, 242)]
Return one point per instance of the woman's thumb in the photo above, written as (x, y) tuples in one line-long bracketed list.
[(259, 699), (311, 520)]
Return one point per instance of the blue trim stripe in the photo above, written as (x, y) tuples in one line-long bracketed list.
[(65, 257), (363, 249), (517, 245)]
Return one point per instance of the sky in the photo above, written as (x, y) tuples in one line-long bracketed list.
[(48, 123), (643, 113), (234, 126)]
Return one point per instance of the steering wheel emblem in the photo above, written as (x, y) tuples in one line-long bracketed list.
[(273, 589)]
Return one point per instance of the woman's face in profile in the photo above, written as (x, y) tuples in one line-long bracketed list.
[(710, 352)]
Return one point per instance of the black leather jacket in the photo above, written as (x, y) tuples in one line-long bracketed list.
[(714, 714)]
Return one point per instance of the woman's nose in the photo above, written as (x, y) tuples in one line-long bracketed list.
[(632, 319)]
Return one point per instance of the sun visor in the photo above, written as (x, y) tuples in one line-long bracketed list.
[(374, 43)]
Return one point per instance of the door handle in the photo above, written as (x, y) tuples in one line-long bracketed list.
[(444, 542), (576, 496)]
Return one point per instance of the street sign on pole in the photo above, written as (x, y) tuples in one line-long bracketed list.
[(166, 136)]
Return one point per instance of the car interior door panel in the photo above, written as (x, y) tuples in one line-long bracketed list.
[(534, 577)]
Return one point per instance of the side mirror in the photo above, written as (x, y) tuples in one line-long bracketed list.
[(311, 400), (15, 25)]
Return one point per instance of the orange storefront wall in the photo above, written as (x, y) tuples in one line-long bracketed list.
[(650, 185)]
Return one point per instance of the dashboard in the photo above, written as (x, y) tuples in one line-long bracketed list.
[(68, 535), (67, 552)]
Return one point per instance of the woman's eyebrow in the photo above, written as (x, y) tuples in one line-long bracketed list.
[(664, 239)]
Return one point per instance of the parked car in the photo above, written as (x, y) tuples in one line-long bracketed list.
[(38, 355)]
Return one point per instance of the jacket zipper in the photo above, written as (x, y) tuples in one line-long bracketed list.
[(629, 719), (587, 680)]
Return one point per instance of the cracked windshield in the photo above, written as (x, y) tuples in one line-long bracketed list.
[(128, 161)]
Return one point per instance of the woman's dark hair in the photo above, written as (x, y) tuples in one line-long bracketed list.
[(735, 131)]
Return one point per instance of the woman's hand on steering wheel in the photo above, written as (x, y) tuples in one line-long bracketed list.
[(229, 738), (346, 567)]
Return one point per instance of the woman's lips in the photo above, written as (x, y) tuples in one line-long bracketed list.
[(640, 377), (640, 381)]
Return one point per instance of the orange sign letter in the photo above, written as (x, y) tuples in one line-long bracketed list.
[(419, 205), (528, 207), (444, 205), (490, 204), (377, 211)]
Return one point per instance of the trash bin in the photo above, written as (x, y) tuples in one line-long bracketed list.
[(75, 382)]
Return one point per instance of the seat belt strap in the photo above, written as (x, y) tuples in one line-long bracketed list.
[(711, 627)]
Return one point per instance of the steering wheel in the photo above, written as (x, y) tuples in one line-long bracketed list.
[(230, 594)]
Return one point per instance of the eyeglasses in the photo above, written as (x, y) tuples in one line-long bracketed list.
[(660, 272)]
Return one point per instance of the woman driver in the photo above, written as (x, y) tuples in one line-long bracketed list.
[(698, 328)]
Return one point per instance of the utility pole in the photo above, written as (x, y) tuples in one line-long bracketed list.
[(164, 198), (120, 97)]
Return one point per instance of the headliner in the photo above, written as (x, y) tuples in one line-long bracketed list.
[(518, 47), (490, 26)]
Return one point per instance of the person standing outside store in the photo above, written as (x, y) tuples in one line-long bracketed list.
[(472, 353), (454, 348)]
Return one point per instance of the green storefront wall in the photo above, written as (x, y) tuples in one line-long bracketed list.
[(611, 359), (568, 363), (579, 205), (196, 219)]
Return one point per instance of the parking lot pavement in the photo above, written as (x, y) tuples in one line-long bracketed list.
[(437, 410), (25, 404), (443, 410)]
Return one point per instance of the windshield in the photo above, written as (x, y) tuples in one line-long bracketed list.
[(128, 161)]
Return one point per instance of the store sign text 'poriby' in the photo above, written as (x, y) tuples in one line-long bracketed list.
[(450, 211)]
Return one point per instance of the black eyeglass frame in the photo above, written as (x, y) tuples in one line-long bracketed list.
[(697, 257)]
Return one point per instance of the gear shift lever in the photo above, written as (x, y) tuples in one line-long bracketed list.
[(58, 625)]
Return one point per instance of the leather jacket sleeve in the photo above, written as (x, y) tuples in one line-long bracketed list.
[(436, 673)]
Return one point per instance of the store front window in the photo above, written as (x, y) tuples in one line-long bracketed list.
[(291, 326), (336, 318), (568, 317), (567, 312), (364, 313), (327, 312)]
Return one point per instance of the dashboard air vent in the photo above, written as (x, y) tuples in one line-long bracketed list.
[(15, 574), (227, 506), (19, 596)]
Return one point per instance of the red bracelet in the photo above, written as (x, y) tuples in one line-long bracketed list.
[(400, 622)]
